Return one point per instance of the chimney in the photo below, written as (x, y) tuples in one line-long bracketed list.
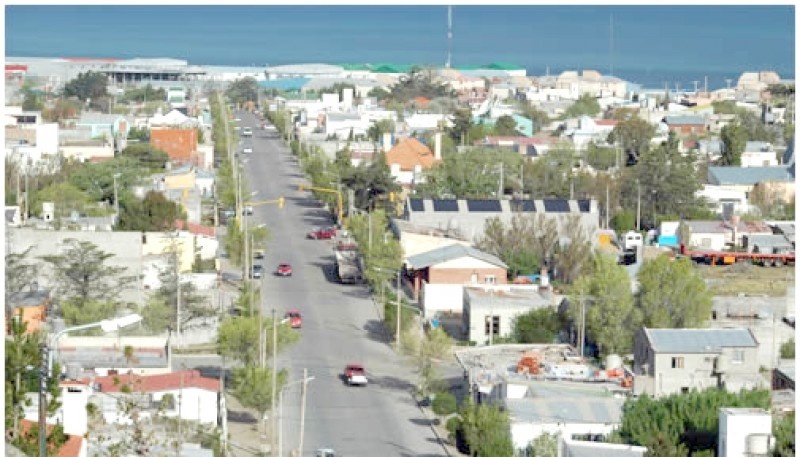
[(387, 141), (437, 146)]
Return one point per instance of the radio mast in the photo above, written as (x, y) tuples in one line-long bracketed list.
[(449, 35)]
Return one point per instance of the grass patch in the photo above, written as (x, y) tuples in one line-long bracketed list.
[(732, 280), (205, 348)]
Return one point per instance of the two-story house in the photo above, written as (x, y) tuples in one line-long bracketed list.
[(686, 125), (668, 361), (409, 158)]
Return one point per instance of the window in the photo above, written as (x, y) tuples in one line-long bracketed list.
[(677, 362), (490, 279), (737, 356), (494, 321)]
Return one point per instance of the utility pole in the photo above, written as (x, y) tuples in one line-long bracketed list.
[(398, 310), (638, 205), (491, 317), (607, 205), (43, 376), (583, 325), (303, 412), (180, 418), (500, 187), (522, 179), (178, 296), (274, 375)]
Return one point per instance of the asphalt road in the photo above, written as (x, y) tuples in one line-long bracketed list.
[(340, 326)]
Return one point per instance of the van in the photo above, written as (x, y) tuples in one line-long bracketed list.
[(247, 131), (631, 240)]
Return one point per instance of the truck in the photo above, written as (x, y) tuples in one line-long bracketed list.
[(766, 259), (348, 268)]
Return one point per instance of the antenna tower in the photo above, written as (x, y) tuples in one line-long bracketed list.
[(449, 35)]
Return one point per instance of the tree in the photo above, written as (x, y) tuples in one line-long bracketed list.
[(152, 214), (462, 121), (252, 386), (570, 256), (20, 272), (672, 294), (487, 430), (444, 404), (66, 198), (378, 128), (787, 349), (242, 90), (82, 274), (419, 82), (238, 337), (146, 155), (475, 173), (514, 244), (783, 430), (608, 303), (434, 346), (537, 326), (549, 177), (85, 312), (734, 139), (87, 86), (633, 136), (585, 105), (540, 118), (505, 126), (545, 445)]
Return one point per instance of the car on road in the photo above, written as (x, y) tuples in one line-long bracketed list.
[(355, 375), (258, 254), (247, 131), (322, 234), (294, 318), (284, 269), (247, 211), (258, 271), (325, 453), (247, 150)]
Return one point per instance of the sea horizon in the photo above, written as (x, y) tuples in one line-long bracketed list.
[(654, 46)]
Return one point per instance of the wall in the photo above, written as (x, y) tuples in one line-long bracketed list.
[(442, 298), (72, 413), (735, 427), (198, 404), (475, 317), (87, 152), (697, 370), (180, 181), (417, 243), (179, 144), (708, 241), (465, 271), (157, 243), (523, 433)]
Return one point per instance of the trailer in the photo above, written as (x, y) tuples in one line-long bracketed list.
[(771, 259), (348, 268)]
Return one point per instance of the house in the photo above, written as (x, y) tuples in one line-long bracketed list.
[(341, 125), (759, 154), (194, 397), (180, 144), (669, 361), (105, 355), (744, 432), (409, 158), (467, 218), (783, 375), (113, 127), (745, 178), (173, 119), (578, 448), (707, 235), (774, 244), (438, 276), (685, 125), (415, 239), (489, 311), (590, 130), (31, 306), (724, 201)]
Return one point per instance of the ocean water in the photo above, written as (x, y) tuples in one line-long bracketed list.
[(650, 45)]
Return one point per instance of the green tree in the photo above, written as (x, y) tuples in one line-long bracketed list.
[(783, 430), (601, 158), (550, 176), (143, 94), (85, 312), (585, 105), (147, 155), (475, 173), (82, 273), (87, 86), (505, 126), (32, 100), (252, 386), (514, 244), (672, 294), (545, 445), (734, 138), (65, 197), (540, 118), (238, 337), (537, 326), (138, 134), (571, 258), (787, 349), (242, 90), (462, 121), (487, 430), (21, 273), (154, 213), (419, 82), (444, 404), (378, 128), (633, 136), (609, 310), (435, 346)]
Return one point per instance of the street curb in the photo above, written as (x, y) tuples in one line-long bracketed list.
[(432, 425)]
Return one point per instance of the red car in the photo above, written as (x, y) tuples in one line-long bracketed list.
[(322, 234), (284, 269), (355, 375), (294, 318)]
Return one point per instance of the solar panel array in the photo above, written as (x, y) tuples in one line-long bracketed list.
[(584, 205), (485, 206), (445, 205), (417, 204), (556, 205)]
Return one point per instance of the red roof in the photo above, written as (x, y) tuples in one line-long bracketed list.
[(196, 229), (157, 383), (71, 448)]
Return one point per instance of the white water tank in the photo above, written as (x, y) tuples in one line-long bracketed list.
[(48, 211), (758, 444), (613, 361)]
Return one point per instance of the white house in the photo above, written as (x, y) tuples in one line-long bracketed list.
[(720, 197), (759, 154), (492, 309), (195, 397), (341, 124)]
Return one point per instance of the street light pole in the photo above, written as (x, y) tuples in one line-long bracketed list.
[(398, 310), (44, 374), (638, 205), (303, 412), (116, 199), (274, 373)]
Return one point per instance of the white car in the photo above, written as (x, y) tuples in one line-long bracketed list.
[(247, 150), (325, 453)]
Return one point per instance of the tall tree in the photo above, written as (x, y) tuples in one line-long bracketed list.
[(20, 271), (570, 257), (545, 445), (82, 273), (147, 155), (672, 294), (154, 213), (734, 139), (505, 126), (87, 86), (537, 326), (243, 90), (487, 430), (585, 105), (238, 337), (608, 303), (252, 386), (633, 136), (514, 244)]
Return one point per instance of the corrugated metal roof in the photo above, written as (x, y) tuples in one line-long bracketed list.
[(453, 251), (690, 340), (684, 120), (747, 176)]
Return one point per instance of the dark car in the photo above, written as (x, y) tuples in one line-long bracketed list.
[(284, 269), (258, 271), (322, 234)]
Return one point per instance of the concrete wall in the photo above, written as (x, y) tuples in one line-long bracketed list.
[(87, 152), (126, 248), (438, 298), (197, 404), (158, 243), (179, 144)]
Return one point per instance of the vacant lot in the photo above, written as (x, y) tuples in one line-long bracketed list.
[(747, 279)]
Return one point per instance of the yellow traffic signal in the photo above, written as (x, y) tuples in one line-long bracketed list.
[(300, 187), (280, 202), (391, 197)]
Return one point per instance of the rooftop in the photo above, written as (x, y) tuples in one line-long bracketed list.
[(446, 253), (747, 176), (157, 383), (690, 340)]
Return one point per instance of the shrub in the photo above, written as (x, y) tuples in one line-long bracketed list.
[(444, 403), (787, 349)]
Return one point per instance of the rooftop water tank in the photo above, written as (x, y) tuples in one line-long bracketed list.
[(613, 361), (758, 444)]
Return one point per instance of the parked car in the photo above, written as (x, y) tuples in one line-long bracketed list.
[(322, 234), (258, 254), (247, 150), (294, 318), (325, 453), (258, 271), (284, 269), (247, 131), (355, 375), (247, 211)]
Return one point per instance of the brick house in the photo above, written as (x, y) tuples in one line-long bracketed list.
[(179, 144), (30, 306), (686, 125)]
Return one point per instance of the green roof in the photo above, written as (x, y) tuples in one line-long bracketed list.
[(503, 66)]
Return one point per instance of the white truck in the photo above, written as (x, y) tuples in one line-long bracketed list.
[(348, 268)]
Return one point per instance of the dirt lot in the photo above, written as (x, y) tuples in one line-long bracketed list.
[(747, 279)]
